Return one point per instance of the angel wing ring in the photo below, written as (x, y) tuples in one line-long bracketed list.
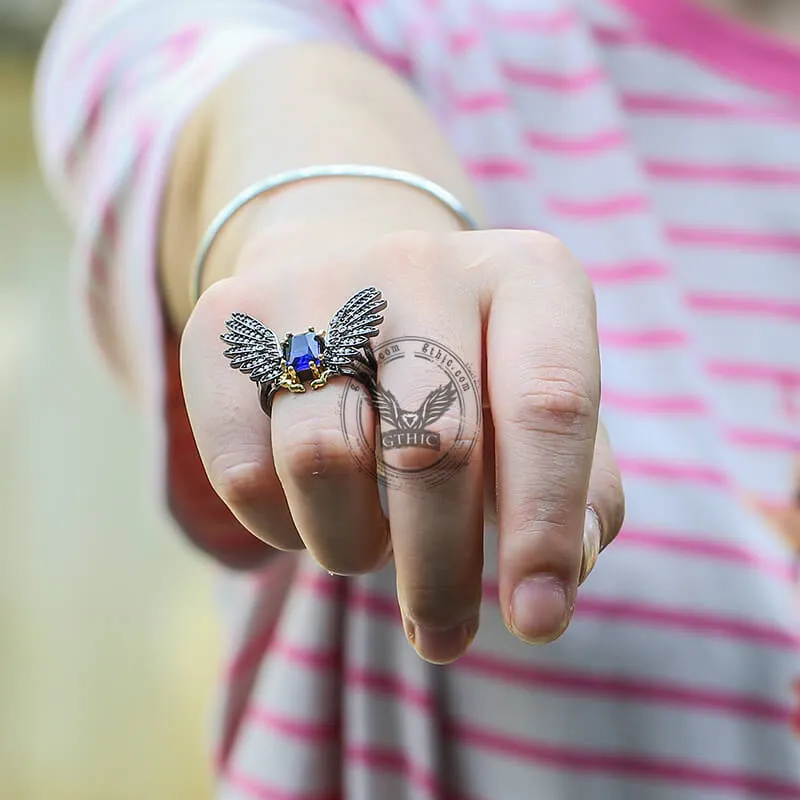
[(308, 358)]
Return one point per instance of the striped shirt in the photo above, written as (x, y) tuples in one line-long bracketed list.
[(661, 142)]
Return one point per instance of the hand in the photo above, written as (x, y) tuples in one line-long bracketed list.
[(519, 310)]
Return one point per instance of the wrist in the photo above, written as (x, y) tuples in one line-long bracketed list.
[(310, 219), (230, 144)]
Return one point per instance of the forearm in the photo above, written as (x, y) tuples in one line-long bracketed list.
[(292, 107)]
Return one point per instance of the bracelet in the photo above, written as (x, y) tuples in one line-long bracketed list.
[(323, 171)]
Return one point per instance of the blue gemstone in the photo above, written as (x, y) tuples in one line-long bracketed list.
[(301, 350)]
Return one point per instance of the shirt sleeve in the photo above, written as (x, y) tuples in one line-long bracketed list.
[(116, 81)]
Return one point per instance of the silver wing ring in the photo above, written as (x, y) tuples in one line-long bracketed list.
[(309, 358)]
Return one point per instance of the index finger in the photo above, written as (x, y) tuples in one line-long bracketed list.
[(543, 380)]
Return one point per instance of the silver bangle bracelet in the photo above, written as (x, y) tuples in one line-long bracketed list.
[(322, 171)]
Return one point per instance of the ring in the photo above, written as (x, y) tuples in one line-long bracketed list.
[(308, 358), (592, 543)]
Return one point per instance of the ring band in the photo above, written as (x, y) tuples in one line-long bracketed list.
[(308, 358), (592, 543)]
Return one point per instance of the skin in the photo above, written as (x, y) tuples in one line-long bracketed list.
[(783, 519), (514, 305), (777, 17)]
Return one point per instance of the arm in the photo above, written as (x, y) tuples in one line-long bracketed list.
[(514, 306), (266, 117), (291, 480), (138, 110), (312, 104), (126, 90)]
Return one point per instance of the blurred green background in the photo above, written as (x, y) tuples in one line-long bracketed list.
[(108, 639)]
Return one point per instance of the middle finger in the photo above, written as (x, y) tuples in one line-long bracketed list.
[(430, 435)]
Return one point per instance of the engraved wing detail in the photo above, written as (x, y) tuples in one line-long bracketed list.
[(254, 348), (351, 328), (436, 403), (385, 403)]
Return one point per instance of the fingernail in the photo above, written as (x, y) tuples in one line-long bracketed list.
[(540, 609), (441, 645), (592, 543), (408, 627)]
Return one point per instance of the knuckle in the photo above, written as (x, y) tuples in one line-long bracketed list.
[(548, 518), (523, 247), (541, 243), (251, 490), (208, 312), (214, 297), (520, 249), (548, 526), (243, 484), (410, 253), (308, 452), (412, 243), (217, 299), (556, 401)]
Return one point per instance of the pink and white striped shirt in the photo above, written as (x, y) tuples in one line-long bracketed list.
[(661, 142)]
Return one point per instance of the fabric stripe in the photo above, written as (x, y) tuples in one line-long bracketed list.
[(633, 766), (619, 611), (672, 181), (591, 145), (713, 173)]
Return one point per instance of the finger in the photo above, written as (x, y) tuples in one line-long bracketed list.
[(434, 493), (333, 499), (231, 431), (544, 387), (605, 505)]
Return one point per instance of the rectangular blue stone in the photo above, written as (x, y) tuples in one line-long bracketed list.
[(301, 350)]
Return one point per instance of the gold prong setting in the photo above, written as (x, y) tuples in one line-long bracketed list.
[(320, 376), (303, 361)]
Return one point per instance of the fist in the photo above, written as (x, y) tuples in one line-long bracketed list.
[(517, 310)]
